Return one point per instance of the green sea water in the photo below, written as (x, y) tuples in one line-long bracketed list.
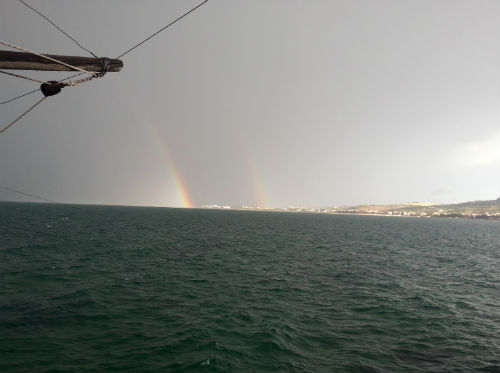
[(123, 289)]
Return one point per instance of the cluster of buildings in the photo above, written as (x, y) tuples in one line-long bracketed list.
[(214, 206), (421, 211)]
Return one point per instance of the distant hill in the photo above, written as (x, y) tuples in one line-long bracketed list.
[(474, 209), (477, 204)]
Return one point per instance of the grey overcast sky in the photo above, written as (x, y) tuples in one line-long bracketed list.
[(260, 102)]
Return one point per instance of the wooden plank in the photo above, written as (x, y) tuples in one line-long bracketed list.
[(26, 61)]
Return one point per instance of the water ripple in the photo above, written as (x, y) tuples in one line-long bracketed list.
[(151, 290)]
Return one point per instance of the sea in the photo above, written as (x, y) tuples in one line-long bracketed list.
[(137, 289)]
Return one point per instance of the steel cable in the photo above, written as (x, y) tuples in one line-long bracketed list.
[(23, 77), (22, 115), (163, 28), (60, 29)]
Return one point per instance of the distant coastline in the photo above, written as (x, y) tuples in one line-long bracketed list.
[(485, 210), (488, 210)]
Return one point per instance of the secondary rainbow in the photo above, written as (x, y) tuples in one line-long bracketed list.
[(258, 188)]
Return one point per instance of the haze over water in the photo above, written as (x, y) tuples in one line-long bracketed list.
[(150, 290)]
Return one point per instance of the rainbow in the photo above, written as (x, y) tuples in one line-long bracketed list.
[(256, 180), (183, 197), (260, 196), (180, 185)]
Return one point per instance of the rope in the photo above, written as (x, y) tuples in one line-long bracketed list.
[(22, 115), (49, 84), (157, 32), (46, 57), (37, 90), (51, 201), (57, 27), (75, 82), (105, 62), (28, 194), (23, 77), (18, 97)]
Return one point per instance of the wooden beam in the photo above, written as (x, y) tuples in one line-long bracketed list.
[(26, 61)]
